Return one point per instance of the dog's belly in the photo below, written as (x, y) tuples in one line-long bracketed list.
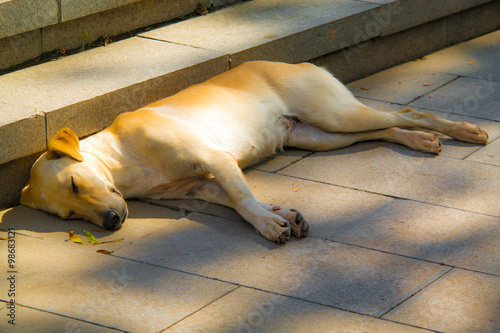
[(249, 128)]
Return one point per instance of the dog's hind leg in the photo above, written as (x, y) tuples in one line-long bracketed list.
[(309, 137), (319, 99)]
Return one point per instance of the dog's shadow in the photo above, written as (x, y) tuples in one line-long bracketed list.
[(145, 217), (21, 218)]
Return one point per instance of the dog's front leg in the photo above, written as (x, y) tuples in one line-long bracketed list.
[(227, 173)]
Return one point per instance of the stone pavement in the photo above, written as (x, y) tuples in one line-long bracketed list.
[(400, 241)]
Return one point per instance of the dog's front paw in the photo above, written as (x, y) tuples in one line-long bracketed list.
[(299, 226)]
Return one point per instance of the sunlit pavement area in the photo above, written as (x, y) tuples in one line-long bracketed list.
[(400, 241)]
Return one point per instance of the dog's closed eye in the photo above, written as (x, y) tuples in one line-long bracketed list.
[(74, 188)]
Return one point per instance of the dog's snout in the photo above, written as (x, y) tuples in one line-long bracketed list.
[(112, 220)]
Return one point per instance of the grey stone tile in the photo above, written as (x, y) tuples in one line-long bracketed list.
[(461, 301), (106, 290), (22, 132), (35, 321), (451, 147), (281, 160), (291, 31), (429, 232), (13, 16), (396, 171), (401, 84), (475, 58), (249, 310), (143, 220), (88, 90), (489, 154), (308, 197), (465, 96), (321, 271), (187, 206), (325, 207)]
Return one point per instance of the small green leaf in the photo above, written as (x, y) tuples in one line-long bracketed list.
[(74, 238), (91, 237)]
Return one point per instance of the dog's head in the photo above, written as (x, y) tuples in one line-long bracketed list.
[(65, 183)]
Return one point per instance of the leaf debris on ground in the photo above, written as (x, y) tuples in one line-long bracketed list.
[(92, 240)]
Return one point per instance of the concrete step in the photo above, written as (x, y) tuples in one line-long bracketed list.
[(30, 28), (86, 91)]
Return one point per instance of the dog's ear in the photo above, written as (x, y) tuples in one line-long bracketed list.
[(26, 198), (64, 143)]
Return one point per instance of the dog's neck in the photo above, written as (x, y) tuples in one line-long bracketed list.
[(108, 151), (125, 173)]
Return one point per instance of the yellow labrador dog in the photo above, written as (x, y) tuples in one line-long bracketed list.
[(194, 144)]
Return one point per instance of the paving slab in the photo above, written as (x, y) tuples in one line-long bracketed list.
[(401, 84), (250, 310), (325, 207), (476, 58), (36, 321), (316, 270), (461, 301), (451, 147), (308, 197), (489, 154), (93, 87), (429, 232), (466, 96), (282, 160), (143, 220), (396, 171), (106, 290), (290, 31)]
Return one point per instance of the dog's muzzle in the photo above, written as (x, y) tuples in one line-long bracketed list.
[(113, 220)]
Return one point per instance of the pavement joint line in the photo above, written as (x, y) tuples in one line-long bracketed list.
[(415, 290), (435, 88), (177, 43), (445, 111), (394, 196), (185, 212), (293, 162), (69, 317), (200, 309), (415, 258), (475, 151), (353, 223), (259, 289), (446, 269), (22, 234), (215, 215)]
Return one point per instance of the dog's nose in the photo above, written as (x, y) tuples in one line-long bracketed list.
[(111, 220)]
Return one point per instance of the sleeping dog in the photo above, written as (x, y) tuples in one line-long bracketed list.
[(195, 143)]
